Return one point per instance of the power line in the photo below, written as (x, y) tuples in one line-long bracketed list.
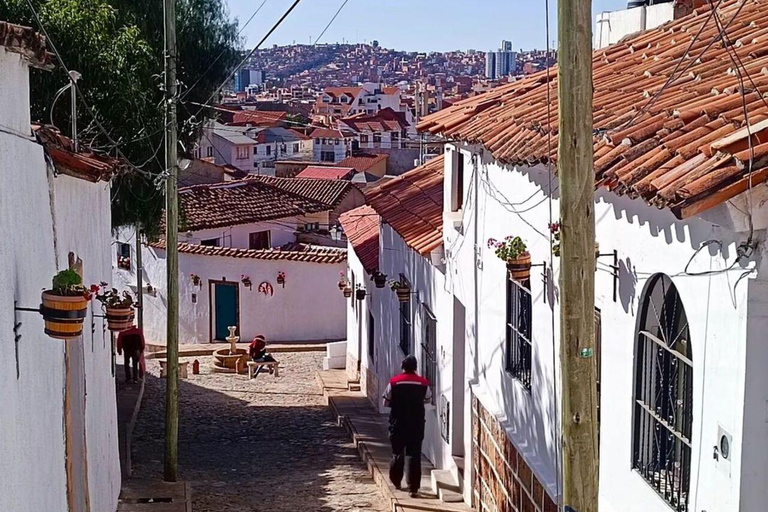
[(330, 22), (188, 91)]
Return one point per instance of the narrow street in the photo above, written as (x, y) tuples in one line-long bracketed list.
[(268, 444)]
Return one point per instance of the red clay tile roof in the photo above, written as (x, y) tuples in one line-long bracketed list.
[(330, 133), (339, 91), (27, 42), (361, 226), (363, 162), (385, 120), (241, 202), (327, 173), (328, 192), (289, 252), (84, 164), (391, 90), (687, 150), (258, 117), (412, 204)]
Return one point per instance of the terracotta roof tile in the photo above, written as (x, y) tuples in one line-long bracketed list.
[(27, 42), (361, 226), (327, 192), (412, 204), (327, 173), (289, 252), (363, 162), (84, 163), (661, 149)]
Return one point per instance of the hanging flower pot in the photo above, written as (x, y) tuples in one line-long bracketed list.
[(360, 294), (513, 251), (343, 282), (118, 308), (281, 278), (246, 282), (401, 289), (65, 305), (520, 268), (347, 291), (379, 279), (196, 280)]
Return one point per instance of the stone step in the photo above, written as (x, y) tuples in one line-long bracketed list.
[(448, 496)]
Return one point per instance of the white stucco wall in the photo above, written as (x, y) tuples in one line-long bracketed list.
[(32, 437), (611, 27), (310, 306), (512, 202), (282, 231)]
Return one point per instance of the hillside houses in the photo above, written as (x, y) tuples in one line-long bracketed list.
[(680, 280)]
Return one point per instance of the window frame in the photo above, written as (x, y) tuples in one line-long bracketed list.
[(406, 322), (210, 242), (669, 412), (124, 260), (252, 238), (429, 349), (519, 331)]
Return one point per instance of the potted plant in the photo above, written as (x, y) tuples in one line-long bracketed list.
[(246, 281), (513, 251), (401, 289), (281, 278), (379, 279), (196, 281), (555, 230), (65, 305), (343, 281), (347, 290), (118, 308), (360, 294)]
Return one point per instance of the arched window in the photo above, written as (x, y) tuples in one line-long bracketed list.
[(664, 394)]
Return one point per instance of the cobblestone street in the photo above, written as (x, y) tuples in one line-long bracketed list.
[(265, 445)]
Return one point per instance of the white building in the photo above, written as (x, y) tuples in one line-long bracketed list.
[(332, 145), (680, 310), (58, 426), (255, 228), (386, 129), (273, 144)]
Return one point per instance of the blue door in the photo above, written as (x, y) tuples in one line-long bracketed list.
[(225, 314)]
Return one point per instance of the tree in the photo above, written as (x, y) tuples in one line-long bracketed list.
[(117, 45)]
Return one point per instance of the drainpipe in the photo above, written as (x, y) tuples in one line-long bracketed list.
[(74, 76)]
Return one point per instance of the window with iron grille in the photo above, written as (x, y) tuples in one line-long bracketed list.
[(429, 349), (663, 416), (371, 338), (405, 323), (519, 320)]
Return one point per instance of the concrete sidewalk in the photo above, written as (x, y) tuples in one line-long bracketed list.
[(369, 431)]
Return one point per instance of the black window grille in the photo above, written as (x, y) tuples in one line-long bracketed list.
[(371, 338), (429, 349), (405, 323), (519, 321), (663, 417)]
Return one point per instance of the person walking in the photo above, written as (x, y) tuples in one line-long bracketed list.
[(406, 395), (132, 342)]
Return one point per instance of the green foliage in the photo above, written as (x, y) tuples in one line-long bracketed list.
[(66, 279), (508, 249), (117, 45), (112, 298)]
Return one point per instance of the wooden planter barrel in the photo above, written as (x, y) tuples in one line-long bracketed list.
[(347, 292), (403, 294), (63, 315), (520, 268), (380, 280), (119, 319), (360, 294)]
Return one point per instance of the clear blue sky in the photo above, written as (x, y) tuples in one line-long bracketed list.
[(424, 25)]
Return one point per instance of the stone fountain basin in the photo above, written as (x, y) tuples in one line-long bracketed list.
[(224, 362)]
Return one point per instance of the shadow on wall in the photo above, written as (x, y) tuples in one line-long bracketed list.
[(239, 455)]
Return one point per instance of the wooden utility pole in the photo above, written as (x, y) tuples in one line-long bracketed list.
[(172, 247), (577, 274), (139, 281)]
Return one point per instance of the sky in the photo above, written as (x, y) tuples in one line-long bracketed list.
[(411, 25)]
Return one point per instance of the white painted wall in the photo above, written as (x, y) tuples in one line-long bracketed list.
[(310, 306), (611, 27), (282, 231), (512, 202), (43, 218)]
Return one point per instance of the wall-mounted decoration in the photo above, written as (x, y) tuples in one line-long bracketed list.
[(247, 282), (65, 305), (281, 278), (118, 307), (196, 280), (445, 418), (379, 279), (266, 289)]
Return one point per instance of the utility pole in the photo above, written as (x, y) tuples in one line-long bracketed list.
[(172, 247), (139, 281), (577, 275)]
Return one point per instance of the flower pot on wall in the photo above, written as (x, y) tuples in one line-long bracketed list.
[(380, 280), (63, 315), (119, 319), (347, 292), (403, 294), (360, 294), (520, 268)]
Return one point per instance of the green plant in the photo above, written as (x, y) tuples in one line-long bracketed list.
[(395, 285), (555, 230), (68, 283), (111, 298), (508, 249)]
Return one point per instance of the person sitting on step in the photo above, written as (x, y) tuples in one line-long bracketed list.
[(258, 352)]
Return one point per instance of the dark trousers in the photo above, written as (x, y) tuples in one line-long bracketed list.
[(406, 457), (131, 357)]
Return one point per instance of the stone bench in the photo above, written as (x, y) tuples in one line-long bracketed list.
[(253, 365), (164, 368)]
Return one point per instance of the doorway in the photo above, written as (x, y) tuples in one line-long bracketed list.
[(225, 308)]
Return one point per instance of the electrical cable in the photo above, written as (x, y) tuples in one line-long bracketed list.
[(330, 22)]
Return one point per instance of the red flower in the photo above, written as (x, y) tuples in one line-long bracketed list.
[(95, 288)]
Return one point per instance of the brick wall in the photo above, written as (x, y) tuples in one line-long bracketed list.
[(502, 481)]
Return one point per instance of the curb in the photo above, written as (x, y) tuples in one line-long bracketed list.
[(130, 425)]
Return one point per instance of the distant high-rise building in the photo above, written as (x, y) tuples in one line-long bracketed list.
[(246, 77), (506, 46), (490, 65), (506, 63)]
